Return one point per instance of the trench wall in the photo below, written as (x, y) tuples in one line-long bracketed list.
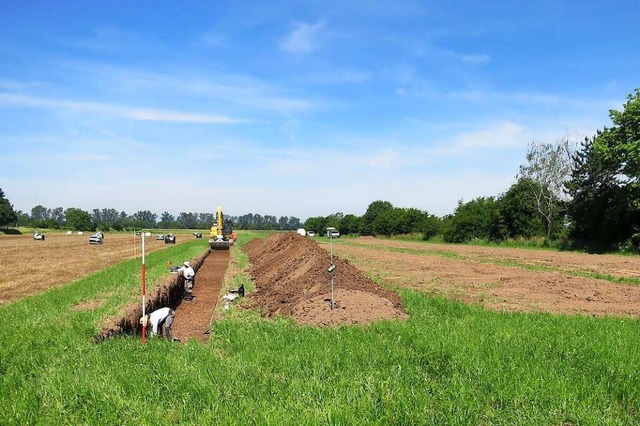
[(167, 292)]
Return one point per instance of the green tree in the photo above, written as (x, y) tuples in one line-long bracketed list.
[(518, 212), (349, 224), (146, 219), (479, 218), (167, 221), (316, 224), (605, 185), (8, 216), (79, 220), (549, 166), (375, 209)]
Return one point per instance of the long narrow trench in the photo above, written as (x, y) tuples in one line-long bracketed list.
[(193, 319)]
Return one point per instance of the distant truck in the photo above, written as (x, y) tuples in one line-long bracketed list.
[(332, 233), (302, 232)]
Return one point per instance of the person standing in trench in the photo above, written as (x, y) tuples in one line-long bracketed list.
[(188, 276)]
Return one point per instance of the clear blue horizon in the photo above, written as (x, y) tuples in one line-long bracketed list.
[(297, 108)]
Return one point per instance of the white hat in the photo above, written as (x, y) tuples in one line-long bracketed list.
[(186, 263)]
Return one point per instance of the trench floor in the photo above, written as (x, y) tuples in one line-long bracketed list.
[(193, 319)]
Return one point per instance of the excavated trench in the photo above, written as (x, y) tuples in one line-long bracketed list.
[(193, 318), (291, 279)]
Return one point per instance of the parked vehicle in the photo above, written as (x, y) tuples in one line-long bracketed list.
[(160, 237), (96, 238), (38, 236), (169, 239), (332, 233), (197, 234), (311, 234)]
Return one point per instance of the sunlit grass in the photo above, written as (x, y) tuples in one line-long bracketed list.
[(448, 364)]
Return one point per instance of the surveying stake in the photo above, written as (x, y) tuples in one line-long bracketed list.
[(144, 291), (331, 270)]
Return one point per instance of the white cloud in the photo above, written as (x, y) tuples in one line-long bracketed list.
[(142, 114), (501, 135), (478, 59), (303, 38)]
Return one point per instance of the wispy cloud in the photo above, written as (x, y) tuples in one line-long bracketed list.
[(104, 39), (232, 88), (481, 58), (303, 38), (142, 114), (501, 135)]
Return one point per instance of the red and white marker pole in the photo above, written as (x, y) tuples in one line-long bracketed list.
[(144, 293)]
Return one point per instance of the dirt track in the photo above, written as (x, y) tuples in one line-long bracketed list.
[(60, 259), (193, 319), (496, 279)]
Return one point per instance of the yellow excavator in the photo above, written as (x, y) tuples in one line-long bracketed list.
[(222, 235)]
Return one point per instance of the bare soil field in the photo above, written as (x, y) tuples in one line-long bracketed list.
[(30, 267), (502, 278)]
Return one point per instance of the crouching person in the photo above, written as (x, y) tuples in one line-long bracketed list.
[(160, 321)]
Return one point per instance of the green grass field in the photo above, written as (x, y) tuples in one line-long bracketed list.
[(448, 364)]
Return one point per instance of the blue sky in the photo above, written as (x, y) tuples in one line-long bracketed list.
[(297, 108)]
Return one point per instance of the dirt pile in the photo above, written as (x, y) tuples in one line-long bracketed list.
[(291, 278)]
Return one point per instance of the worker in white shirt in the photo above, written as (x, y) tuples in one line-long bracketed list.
[(188, 275), (160, 319)]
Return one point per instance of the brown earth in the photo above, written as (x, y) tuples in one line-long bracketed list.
[(291, 278), (30, 267), (193, 319), (502, 278)]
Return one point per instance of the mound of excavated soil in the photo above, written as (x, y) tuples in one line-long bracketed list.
[(291, 278)]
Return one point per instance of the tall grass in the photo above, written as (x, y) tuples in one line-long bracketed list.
[(448, 364)]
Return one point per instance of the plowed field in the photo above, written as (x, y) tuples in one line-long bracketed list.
[(30, 267), (504, 278)]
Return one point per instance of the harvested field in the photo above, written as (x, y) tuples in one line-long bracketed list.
[(61, 259), (503, 278), (291, 278)]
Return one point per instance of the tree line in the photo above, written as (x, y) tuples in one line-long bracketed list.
[(111, 219), (584, 196)]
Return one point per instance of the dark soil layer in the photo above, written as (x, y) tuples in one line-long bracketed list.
[(169, 292), (193, 319), (291, 278)]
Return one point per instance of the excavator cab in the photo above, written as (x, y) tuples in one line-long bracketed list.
[(220, 233)]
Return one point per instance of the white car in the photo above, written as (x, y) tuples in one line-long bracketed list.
[(96, 238), (311, 234), (160, 237), (38, 236)]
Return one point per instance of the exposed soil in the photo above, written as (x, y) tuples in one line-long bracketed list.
[(496, 279), (31, 267), (291, 278), (167, 292), (193, 318)]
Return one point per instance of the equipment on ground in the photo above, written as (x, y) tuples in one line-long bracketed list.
[(169, 239), (96, 238), (221, 237), (38, 236)]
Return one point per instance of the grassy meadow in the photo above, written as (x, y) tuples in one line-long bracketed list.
[(448, 364)]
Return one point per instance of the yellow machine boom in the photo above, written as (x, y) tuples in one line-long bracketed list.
[(221, 233)]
